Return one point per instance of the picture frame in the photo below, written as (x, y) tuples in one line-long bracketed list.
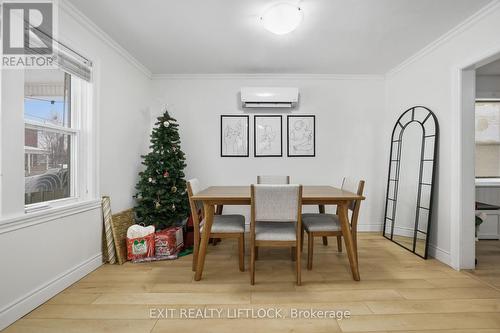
[(301, 136), (268, 135), (234, 135)]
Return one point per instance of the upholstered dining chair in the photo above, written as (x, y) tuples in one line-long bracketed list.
[(275, 220), (325, 225), (276, 180), (224, 226)]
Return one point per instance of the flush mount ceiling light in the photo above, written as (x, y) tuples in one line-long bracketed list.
[(281, 18)]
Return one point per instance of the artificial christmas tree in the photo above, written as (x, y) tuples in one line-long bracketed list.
[(161, 191)]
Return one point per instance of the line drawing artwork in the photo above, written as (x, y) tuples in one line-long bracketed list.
[(268, 140), (301, 136), (234, 136)]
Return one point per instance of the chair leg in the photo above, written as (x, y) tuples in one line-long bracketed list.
[(293, 251), (325, 240), (196, 248), (241, 252), (310, 246), (339, 243), (355, 242), (253, 251), (302, 240), (299, 272)]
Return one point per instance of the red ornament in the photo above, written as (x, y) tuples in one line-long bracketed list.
[(166, 174)]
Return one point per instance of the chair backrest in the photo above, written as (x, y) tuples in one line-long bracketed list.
[(193, 187), (354, 186), (276, 180), (277, 203)]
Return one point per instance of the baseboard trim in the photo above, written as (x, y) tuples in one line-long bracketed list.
[(370, 227), (439, 254), (12, 312)]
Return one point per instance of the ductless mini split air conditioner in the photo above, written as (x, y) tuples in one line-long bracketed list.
[(269, 97)]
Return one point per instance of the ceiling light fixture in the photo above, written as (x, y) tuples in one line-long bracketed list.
[(281, 18)]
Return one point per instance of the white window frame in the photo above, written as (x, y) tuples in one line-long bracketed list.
[(81, 110)]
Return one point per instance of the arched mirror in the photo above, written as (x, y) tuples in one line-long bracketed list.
[(410, 184)]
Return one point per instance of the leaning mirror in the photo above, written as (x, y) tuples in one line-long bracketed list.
[(410, 183)]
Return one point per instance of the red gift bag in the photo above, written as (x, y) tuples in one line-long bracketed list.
[(140, 248)]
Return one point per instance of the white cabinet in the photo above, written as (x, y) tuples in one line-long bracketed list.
[(490, 228)]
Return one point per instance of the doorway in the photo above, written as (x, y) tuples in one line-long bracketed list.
[(472, 95), (487, 170)]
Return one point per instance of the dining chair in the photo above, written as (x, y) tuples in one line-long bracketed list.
[(325, 225), (276, 180), (275, 220), (224, 226)]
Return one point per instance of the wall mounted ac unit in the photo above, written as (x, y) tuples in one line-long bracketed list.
[(269, 97)]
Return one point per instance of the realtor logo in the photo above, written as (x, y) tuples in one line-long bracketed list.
[(27, 28)]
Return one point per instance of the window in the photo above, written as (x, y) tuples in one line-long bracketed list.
[(487, 124), (50, 136)]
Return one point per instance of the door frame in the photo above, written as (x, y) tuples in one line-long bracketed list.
[(463, 187)]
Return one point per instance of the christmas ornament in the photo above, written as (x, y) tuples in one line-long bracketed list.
[(173, 189), (157, 204), (150, 179), (173, 207), (166, 174), (166, 123)]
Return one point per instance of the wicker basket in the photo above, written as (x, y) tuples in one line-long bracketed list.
[(120, 223)]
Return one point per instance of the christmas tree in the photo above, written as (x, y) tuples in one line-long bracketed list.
[(161, 191)]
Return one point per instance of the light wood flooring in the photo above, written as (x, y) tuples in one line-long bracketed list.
[(398, 292)]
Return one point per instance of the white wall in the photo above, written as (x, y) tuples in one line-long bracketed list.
[(348, 133), (50, 252), (428, 79), (488, 86)]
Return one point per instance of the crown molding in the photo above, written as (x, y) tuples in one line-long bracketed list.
[(470, 21), (75, 13), (260, 76)]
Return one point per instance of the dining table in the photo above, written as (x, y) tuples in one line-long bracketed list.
[(215, 197)]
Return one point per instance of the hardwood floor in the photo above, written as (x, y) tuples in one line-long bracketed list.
[(398, 292), (488, 262)]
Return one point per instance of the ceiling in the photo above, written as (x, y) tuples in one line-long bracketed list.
[(224, 36), (493, 68)]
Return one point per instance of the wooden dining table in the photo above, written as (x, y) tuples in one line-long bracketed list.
[(219, 196)]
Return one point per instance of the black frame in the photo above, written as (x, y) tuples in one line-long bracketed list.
[(255, 135), (288, 134), (248, 134), (394, 178)]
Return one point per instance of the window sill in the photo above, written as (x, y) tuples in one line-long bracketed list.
[(42, 216), (487, 182)]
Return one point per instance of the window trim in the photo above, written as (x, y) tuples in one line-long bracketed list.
[(33, 124)]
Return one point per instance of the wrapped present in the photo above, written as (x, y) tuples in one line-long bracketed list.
[(168, 242)]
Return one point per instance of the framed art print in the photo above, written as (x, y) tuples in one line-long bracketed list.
[(301, 136), (268, 137), (234, 136)]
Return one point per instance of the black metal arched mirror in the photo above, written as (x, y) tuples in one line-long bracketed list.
[(410, 184)]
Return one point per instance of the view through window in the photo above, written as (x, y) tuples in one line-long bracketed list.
[(48, 135)]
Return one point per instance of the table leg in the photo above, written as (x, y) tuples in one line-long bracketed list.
[(349, 243), (209, 219)]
